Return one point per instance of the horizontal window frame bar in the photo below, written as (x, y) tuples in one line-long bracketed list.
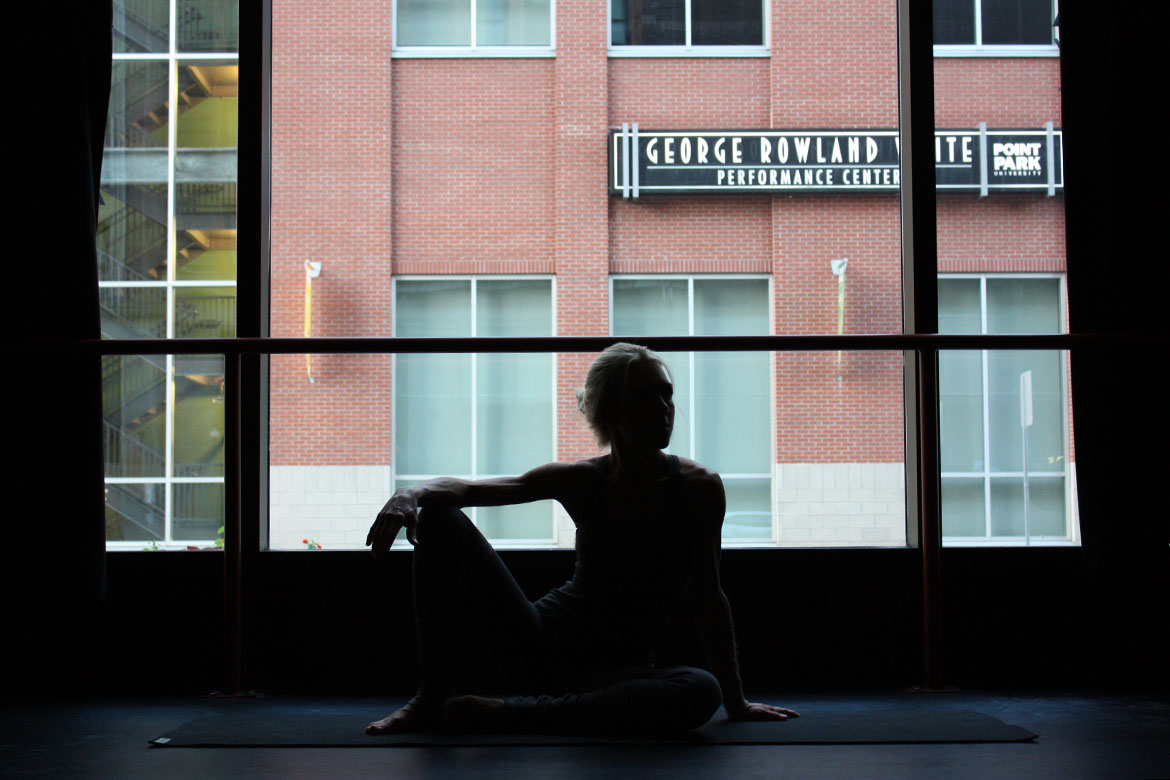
[(556, 344)]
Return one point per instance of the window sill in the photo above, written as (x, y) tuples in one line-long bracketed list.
[(948, 51), (1007, 541), (480, 52), (692, 51)]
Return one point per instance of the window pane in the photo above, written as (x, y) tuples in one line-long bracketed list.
[(1045, 436), (1022, 305), (732, 408), (132, 220), (512, 23), (199, 416), (650, 307), (197, 512), (731, 307), (963, 510), (1017, 21), (954, 21), (433, 308), (205, 312), (133, 312), (136, 512), (960, 379), (208, 25), (514, 391), (727, 23), (649, 22), (521, 523), (1045, 503), (432, 411), (134, 401), (749, 509), (960, 308), (433, 23), (141, 25)]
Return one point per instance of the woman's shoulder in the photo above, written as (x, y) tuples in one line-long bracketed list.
[(700, 482)]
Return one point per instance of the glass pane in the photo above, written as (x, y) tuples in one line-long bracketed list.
[(141, 25), (963, 509), (650, 307), (199, 416), (205, 312), (1023, 305), (205, 222), (133, 312), (727, 23), (136, 512), (731, 307), (960, 308), (1017, 21), (197, 512), (432, 411), (132, 219), (433, 23), (134, 402), (1045, 435), (954, 22), (749, 509), (733, 397), (648, 22), (512, 23), (433, 308), (521, 523), (1045, 503), (513, 307), (960, 380), (208, 25)]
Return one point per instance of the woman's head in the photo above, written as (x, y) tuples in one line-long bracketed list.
[(627, 394)]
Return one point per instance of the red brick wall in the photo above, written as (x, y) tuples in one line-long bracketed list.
[(331, 195), (498, 165)]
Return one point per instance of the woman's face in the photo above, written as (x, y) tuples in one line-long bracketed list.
[(645, 416)]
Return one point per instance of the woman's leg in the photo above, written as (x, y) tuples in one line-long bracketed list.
[(459, 578), (627, 701)]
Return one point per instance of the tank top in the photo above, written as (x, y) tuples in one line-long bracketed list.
[(629, 577)]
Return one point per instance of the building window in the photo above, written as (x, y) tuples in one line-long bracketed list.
[(984, 431), (473, 25), (481, 415), (994, 23), (723, 400), (681, 26), (166, 252)]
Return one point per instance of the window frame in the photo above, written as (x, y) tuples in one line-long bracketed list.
[(979, 49), (770, 474), (688, 50), (472, 512), (1068, 474), (472, 50), (174, 58)]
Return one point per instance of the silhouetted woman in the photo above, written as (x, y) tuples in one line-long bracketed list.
[(648, 542)]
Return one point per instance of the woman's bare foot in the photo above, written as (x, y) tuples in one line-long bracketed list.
[(404, 720), (475, 713)]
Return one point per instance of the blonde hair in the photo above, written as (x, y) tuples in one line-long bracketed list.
[(607, 381)]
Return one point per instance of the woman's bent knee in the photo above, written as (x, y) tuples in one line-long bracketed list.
[(436, 524), (698, 696)]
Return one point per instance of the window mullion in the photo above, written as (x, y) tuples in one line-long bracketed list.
[(687, 23), (473, 25), (978, 22)]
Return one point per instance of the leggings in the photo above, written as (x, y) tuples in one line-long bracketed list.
[(459, 579)]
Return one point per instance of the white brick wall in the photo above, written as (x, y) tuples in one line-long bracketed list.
[(332, 505), (840, 504)]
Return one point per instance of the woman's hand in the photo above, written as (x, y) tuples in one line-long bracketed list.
[(752, 711), (401, 510)]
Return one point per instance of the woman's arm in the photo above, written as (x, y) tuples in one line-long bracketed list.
[(712, 611), (554, 480)]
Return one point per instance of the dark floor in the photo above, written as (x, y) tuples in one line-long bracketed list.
[(1081, 736)]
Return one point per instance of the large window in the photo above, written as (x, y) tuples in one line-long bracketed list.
[(994, 23), (1004, 443), (473, 25), (166, 247), (723, 400), (481, 415), (686, 25)]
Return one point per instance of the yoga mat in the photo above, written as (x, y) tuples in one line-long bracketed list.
[(814, 727)]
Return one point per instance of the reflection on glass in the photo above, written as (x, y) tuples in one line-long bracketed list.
[(512, 23), (433, 23), (207, 25), (648, 22), (136, 512), (205, 312), (199, 416), (141, 25), (727, 23), (134, 401), (196, 511)]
